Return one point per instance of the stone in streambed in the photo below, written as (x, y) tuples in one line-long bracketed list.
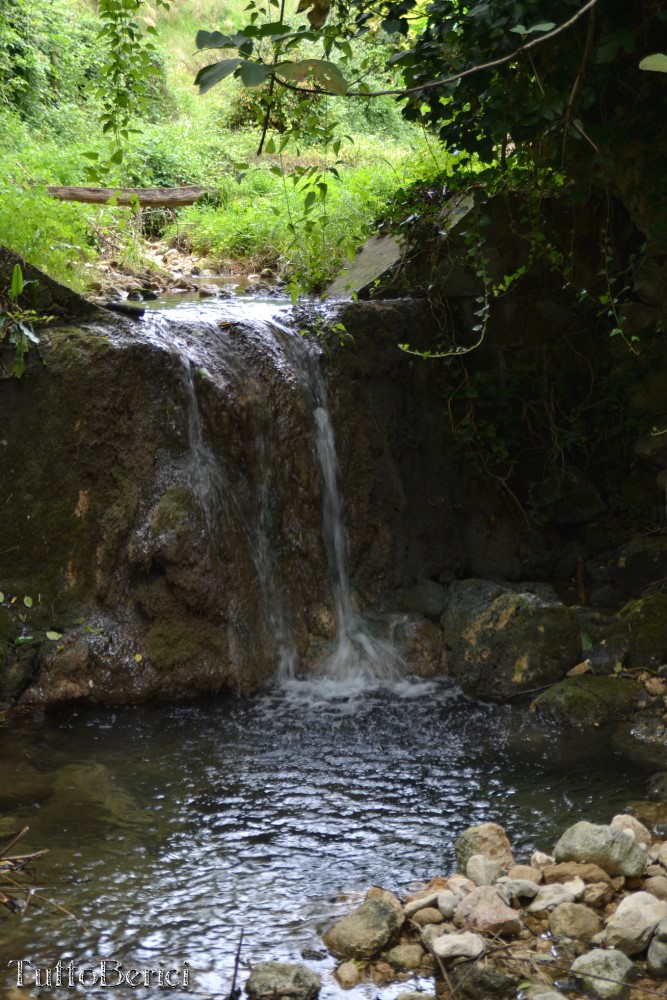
[(428, 915), (632, 826), (489, 840), (405, 957), (447, 902), (516, 888), (348, 975), (630, 928), (368, 929), (420, 903), (549, 897), (615, 851), (484, 910), (567, 870), (482, 870), (451, 946), (269, 979), (574, 920), (613, 968)]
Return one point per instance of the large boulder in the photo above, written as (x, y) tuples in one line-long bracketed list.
[(640, 626), (504, 644), (589, 700), (368, 929), (614, 850)]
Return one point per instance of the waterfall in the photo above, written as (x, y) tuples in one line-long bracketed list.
[(246, 489), (357, 653)]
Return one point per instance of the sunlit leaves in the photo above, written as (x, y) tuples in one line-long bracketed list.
[(326, 73), (657, 63)]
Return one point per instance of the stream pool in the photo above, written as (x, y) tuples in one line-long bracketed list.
[(173, 828)]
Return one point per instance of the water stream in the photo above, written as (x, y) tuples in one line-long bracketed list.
[(172, 828)]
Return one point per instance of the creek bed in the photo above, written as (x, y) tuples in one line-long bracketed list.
[(181, 825)]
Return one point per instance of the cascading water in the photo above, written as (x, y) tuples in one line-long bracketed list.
[(357, 655)]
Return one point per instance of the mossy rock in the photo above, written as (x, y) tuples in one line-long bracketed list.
[(642, 624), (503, 645), (171, 645), (588, 700)]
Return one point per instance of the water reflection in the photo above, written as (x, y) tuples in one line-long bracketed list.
[(180, 826)]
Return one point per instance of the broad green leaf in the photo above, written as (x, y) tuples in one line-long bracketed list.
[(94, 630), (2, 597), (17, 283), (22, 639), (309, 200), (213, 40), (54, 636), (274, 30), (657, 63), (28, 601), (325, 73), (210, 75), (270, 147), (254, 74)]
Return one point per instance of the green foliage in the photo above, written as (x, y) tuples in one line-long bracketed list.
[(47, 57), (16, 327)]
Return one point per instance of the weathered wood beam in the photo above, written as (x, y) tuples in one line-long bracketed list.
[(159, 197)]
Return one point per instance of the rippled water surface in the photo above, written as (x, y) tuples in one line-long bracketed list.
[(181, 825)]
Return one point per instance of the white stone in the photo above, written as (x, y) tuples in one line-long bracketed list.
[(550, 896), (483, 870), (460, 885), (516, 888), (447, 902), (466, 945), (630, 928), (421, 903), (539, 860), (576, 886)]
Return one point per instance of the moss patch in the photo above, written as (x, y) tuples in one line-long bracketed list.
[(171, 644)]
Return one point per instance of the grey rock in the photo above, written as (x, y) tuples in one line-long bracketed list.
[(516, 888), (615, 851), (607, 965), (368, 929), (271, 978), (482, 870), (630, 928), (661, 931), (657, 959), (447, 902), (548, 897), (466, 945)]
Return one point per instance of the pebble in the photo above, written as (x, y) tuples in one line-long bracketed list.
[(574, 920), (633, 827), (550, 896), (427, 915), (447, 902), (348, 975)]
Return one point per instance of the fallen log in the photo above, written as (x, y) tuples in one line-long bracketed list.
[(158, 197)]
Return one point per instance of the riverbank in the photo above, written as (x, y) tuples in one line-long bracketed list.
[(589, 919)]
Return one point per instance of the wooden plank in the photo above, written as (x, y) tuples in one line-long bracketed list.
[(159, 197)]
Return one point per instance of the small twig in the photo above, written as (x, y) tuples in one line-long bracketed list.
[(234, 993), (15, 840)]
